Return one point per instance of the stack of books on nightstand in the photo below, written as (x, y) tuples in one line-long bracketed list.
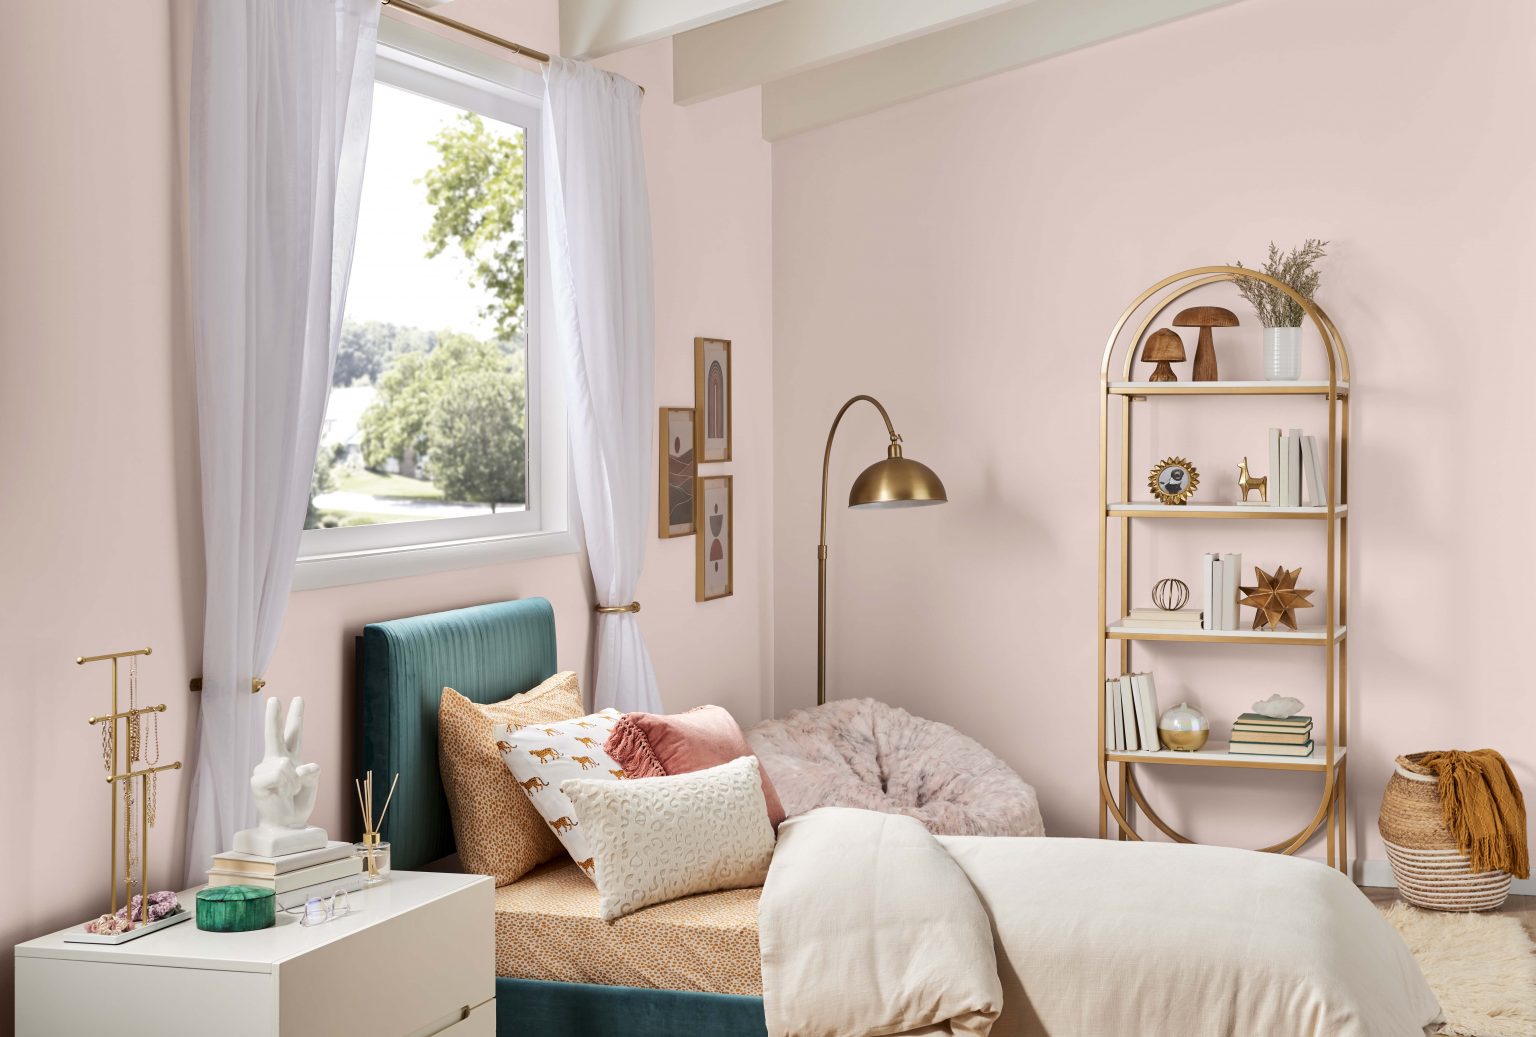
[(1259, 735), (293, 877), (1165, 619)]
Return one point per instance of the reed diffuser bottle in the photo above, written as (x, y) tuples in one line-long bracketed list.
[(372, 849)]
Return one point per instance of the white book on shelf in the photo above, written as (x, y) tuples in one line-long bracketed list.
[(1282, 488), (1210, 619), (1312, 457), (1128, 711), (1272, 488), (1118, 715), (1293, 471), (1109, 723), (1146, 711), (1230, 565)]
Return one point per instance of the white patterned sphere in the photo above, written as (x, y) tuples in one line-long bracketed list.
[(1183, 728)]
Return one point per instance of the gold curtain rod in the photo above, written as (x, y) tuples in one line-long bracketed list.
[(422, 12)]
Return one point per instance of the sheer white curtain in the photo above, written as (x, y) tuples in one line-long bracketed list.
[(600, 258), (282, 91)]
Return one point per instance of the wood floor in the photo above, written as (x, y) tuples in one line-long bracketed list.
[(1523, 908)]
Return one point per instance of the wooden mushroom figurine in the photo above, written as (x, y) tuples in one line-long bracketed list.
[(1205, 318), (1161, 347)]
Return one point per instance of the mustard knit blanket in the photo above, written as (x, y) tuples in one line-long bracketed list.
[(1483, 808)]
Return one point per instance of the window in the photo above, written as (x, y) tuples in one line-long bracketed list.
[(443, 443)]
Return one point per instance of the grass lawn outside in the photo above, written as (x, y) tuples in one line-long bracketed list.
[(376, 484)]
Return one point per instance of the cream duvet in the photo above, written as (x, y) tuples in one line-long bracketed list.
[(870, 926)]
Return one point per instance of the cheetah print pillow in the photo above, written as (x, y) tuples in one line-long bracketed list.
[(541, 756), (497, 831), (658, 839)]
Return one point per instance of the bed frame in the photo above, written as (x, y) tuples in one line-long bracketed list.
[(488, 653)]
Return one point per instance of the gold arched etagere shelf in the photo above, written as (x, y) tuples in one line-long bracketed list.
[(1122, 798)]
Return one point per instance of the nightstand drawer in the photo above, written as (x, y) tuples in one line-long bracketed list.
[(480, 1022), (396, 977)]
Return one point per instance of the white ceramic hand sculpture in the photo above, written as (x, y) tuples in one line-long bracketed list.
[(284, 788)]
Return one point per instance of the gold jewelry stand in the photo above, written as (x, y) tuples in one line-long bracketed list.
[(119, 772)]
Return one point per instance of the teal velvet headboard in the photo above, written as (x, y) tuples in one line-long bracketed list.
[(486, 653)]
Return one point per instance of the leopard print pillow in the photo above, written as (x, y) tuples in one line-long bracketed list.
[(497, 830)]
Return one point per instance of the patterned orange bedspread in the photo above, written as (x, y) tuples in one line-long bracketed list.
[(547, 927)]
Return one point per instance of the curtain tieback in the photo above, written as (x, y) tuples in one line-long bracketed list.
[(610, 610)]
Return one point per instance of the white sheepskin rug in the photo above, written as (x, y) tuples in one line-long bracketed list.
[(1482, 967), (863, 753)]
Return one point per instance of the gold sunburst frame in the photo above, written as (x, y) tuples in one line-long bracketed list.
[(1117, 641), (1155, 485)]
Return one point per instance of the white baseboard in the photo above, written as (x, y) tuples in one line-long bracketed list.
[(1379, 873)]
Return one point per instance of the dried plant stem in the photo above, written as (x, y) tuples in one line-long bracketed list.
[(1298, 270)]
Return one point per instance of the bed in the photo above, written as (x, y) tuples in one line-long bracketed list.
[(1044, 936), (686, 967)]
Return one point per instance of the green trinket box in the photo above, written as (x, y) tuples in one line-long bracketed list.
[(236, 909)]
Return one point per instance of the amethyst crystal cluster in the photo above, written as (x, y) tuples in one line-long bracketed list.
[(161, 904)]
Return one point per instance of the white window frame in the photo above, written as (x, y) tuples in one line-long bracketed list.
[(422, 62)]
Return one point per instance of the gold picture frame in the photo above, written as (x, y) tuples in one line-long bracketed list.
[(715, 520), (677, 475), (1173, 480), (712, 400)]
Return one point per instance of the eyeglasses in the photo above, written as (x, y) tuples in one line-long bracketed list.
[(319, 910)]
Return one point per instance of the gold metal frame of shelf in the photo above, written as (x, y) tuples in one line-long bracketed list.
[(1333, 806), (1115, 632), (1153, 510), (1139, 389)]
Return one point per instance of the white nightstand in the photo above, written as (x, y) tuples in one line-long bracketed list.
[(415, 958)]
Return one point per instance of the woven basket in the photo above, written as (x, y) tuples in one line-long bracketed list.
[(1431, 871)]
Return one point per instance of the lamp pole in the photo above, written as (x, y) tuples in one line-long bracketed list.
[(821, 547)]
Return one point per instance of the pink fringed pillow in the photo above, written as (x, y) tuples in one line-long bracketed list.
[(651, 745)]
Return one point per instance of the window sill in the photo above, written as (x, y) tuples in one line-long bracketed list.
[(333, 570)]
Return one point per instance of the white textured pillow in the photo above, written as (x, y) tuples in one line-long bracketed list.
[(657, 839), (541, 756)]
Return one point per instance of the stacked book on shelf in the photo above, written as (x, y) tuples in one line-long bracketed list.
[(294, 877), (1130, 713), (1258, 735), (1296, 464), (1221, 575), (1165, 619)]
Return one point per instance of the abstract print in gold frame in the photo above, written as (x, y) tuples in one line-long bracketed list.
[(676, 473), (715, 557), (712, 400)]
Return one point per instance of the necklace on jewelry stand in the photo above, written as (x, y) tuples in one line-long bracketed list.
[(135, 748)]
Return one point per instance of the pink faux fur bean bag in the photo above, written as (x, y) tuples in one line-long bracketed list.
[(863, 753)]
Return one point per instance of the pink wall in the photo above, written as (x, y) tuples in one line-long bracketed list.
[(963, 257), (100, 497)]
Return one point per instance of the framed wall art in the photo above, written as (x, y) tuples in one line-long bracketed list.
[(674, 492), (712, 399), (714, 514)]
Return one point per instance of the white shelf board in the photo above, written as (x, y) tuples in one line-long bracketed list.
[(1153, 509), (1306, 635), (1263, 388), (1215, 754)]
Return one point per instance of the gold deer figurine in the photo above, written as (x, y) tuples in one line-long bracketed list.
[(1246, 482)]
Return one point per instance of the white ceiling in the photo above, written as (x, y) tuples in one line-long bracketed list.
[(821, 61)]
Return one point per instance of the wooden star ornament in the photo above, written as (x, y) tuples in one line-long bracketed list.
[(1275, 599)]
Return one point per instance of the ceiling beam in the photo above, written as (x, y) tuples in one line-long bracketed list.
[(961, 54), (592, 28), (800, 35)]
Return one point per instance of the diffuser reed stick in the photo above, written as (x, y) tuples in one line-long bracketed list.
[(374, 851)]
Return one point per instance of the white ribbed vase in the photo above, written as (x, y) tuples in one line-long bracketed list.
[(1431, 871), (1282, 354)]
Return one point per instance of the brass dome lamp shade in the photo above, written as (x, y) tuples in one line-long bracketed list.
[(892, 482)]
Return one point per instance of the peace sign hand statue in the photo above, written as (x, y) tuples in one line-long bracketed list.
[(284, 789)]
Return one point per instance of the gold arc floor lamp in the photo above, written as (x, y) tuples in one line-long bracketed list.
[(892, 482)]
